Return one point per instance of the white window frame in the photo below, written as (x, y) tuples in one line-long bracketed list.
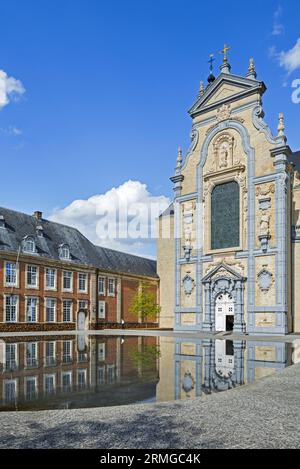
[(49, 375), (71, 310), (64, 355), (113, 280), (85, 377), (55, 279), (35, 358), (101, 306), (55, 309), (101, 292), (11, 284), (85, 282), (64, 248), (16, 353), (9, 381), (82, 301), (67, 373), (16, 310), (26, 240), (35, 379), (69, 290), (29, 286), (53, 363), (103, 381), (27, 298)]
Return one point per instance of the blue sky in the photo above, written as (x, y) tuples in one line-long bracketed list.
[(108, 85)]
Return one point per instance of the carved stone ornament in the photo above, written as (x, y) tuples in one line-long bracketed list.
[(188, 221), (266, 191), (223, 113), (188, 382), (188, 284), (265, 279)]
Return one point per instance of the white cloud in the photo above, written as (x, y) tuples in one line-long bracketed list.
[(123, 218), (278, 28), (290, 60), (10, 88), (11, 131)]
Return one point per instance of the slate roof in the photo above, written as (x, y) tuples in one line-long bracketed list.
[(19, 225)]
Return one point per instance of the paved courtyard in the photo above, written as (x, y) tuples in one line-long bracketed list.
[(262, 415)]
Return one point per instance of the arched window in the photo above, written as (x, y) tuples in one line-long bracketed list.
[(28, 245), (225, 216), (64, 252)]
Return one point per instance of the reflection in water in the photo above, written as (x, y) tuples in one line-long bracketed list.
[(90, 371)]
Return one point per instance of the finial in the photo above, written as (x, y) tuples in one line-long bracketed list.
[(280, 127), (201, 88), (251, 69), (211, 76), (225, 67), (224, 52), (178, 161)]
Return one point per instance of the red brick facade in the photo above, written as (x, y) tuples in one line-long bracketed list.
[(118, 298)]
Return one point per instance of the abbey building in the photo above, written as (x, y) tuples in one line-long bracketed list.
[(233, 262)]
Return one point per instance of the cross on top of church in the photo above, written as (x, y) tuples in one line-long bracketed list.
[(224, 51), (210, 61)]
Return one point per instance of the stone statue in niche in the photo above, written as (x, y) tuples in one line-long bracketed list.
[(264, 231), (223, 155), (223, 152), (264, 225)]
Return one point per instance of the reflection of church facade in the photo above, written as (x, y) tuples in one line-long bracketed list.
[(234, 259)]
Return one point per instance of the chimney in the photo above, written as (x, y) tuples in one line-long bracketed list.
[(38, 215), (2, 221)]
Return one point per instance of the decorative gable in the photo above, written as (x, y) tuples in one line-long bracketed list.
[(226, 88)]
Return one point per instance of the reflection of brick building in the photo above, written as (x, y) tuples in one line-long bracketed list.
[(63, 371), (52, 277)]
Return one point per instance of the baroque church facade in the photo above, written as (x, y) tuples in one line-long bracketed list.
[(233, 259)]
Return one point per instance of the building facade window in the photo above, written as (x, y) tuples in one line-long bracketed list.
[(225, 216), (111, 287), (66, 381), (101, 375), (29, 245), (64, 252), (10, 390), (49, 384), (67, 351), (50, 304), (31, 389), (101, 285), (32, 276), (102, 310), (31, 354), (81, 379), (50, 353), (11, 308), (67, 281), (11, 357), (31, 309), (82, 283), (50, 279), (10, 274), (67, 310), (82, 304)]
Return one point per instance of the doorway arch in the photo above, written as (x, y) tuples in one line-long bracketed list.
[(81, 320)]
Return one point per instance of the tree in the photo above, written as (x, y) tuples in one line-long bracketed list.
[(144, 304)]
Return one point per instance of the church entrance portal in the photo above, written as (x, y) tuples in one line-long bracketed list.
[(224, 310)]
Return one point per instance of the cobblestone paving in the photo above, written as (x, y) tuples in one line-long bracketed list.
[(263, 415)]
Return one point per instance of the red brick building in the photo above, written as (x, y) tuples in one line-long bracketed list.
[(53, 278)]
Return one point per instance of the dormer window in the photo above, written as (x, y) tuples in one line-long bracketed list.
[(64, 252), (29, 245)]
